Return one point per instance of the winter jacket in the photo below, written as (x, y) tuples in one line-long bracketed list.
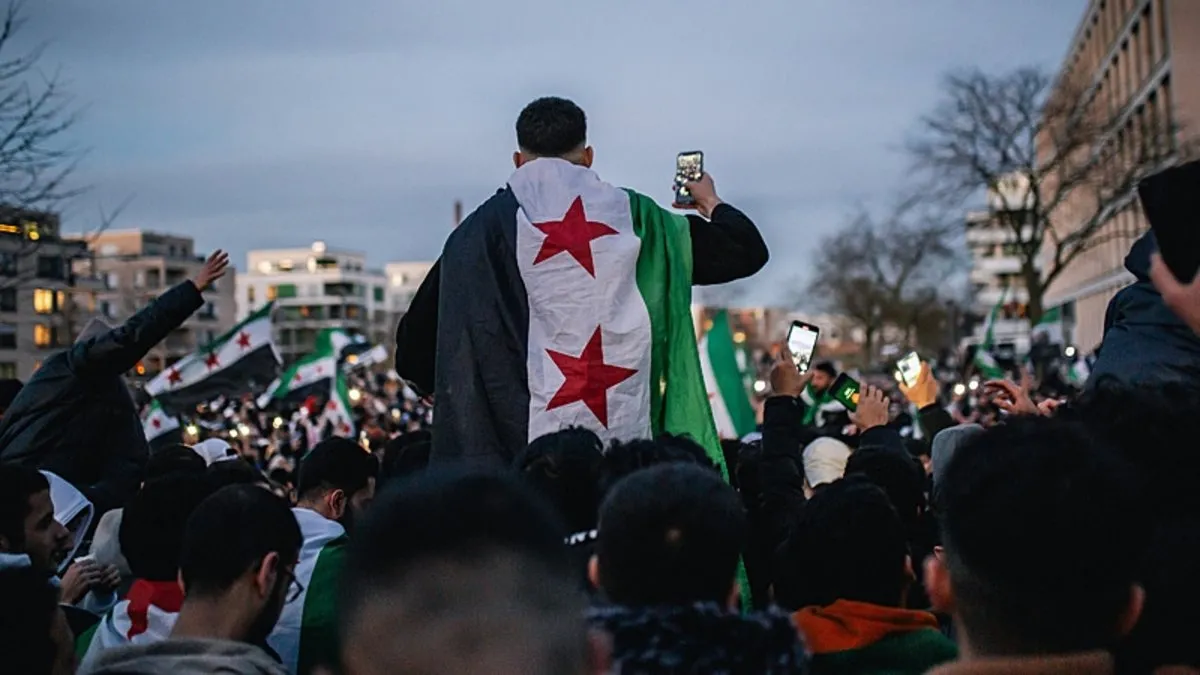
[(186, 657), (701, 638), (860, 638), (75, 416)]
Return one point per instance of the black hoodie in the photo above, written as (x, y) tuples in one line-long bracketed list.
[(701, 638)]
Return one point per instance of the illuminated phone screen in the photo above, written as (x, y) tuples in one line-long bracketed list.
[(802, 343)]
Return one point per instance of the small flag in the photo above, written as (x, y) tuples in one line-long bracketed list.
[(727, 394), (985, 363), (337, 410), (310, 372), (157, 422), (241, 361), (145, 616)]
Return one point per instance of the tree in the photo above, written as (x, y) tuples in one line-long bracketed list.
[(1055, 156), (884, 272)]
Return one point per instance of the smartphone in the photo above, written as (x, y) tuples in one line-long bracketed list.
[(802, 343), (1170, 201), (909, 369), (689, 167), (845, 391)]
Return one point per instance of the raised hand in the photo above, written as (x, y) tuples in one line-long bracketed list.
[(704, 196), (873, 409), (214, 268), (924, 391), (1011, 398)]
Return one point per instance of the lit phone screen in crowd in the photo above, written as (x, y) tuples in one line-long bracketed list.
[(909, 368), (802, 343)]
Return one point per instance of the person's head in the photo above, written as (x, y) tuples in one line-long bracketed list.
[(669, 535), (824, 462), (823, 375), (1042, 530), (236, 472), (479, 581), (337, 480), (34, 635), (623, 459), (27, 524), (405, 455), (564, 467), (153, 523), (552, 127), (848, 543), (174, 459), (240, 548), (900, 477)]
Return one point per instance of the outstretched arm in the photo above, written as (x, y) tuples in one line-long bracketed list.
[(726, 245)]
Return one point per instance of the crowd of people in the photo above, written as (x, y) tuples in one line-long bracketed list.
[(1051, 535)]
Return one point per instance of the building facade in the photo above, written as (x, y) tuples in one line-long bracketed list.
[(43, 303), (135, 267), (404, 278), (1143, 58)]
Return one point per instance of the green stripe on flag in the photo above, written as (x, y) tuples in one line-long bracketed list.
[(731, 387), (318, 624)]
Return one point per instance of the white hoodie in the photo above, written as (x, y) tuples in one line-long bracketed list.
[(73, 511)]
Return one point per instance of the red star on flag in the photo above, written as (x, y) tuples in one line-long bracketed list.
[(573, 234), (344, 428), (244, 340), (331, 406), (320, 369), (156, 423), (297, 378), (174, 377), (588, 378), (211, 360)]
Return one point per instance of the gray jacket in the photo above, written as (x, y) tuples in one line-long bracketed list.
[(186, 657)]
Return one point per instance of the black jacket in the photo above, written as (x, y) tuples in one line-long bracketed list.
[(75, 416)]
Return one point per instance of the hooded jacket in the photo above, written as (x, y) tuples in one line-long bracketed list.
[(73, 511), (861, 638), (1143, 339), (186, 657), (701, 638), (75, 416)]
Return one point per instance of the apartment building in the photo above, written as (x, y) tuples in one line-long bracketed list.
[(404, 278), (43, 304), (1143, 59), (138, 265)]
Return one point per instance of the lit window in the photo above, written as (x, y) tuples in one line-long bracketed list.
[(250, 294), (42, 335), (44, 301), (270, 292)]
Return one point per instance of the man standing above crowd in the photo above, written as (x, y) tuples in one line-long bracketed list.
[(565, 301)]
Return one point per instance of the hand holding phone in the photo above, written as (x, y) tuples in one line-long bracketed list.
[(802, 344), (845, 391), (689, 168)]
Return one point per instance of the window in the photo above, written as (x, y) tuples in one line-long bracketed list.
[(43, 335), (107, 310), (46, 301), (8, 336), (250, 295), (112, 280), (8, 299), (8, 370), (353, 311), (8, 264), (209, 311), (281, 291), (379, 294), (139, 279), (50, 267)]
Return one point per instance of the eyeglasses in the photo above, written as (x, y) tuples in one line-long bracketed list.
[(295, 588)]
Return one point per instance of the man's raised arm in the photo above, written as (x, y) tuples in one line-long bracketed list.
[(119, 349), (726, 245)]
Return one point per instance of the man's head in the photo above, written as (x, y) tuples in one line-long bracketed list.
[(174, 459), (34, 635), (564, 467), (823, 375), (847, 544), (239, 550), (337, 480), (669, 535), (1042, 532), (27, 524), (623, 459), (154, 521), (552, 127), (460, 572)]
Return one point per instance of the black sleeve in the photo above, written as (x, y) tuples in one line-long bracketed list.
[(781, 471), (727, 248), (933, 418), (416, 334), (119, 350)]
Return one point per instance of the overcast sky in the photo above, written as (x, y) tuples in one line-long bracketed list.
[(256, 123)]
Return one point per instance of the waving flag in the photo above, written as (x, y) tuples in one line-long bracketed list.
[(985, 363), (157, 422), (309, 374), (305, 636), (732, 412), (145, 616), (241, 361)]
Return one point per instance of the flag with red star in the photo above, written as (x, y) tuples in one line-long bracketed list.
[(311, 374), (565, 301), (242, 361), (157, 422)]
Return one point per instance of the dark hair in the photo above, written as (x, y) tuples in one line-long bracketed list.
[(670, 535), (154, 521), (231, 531), (27, 620), (176, 458), (1043, 532), (405, 455), (827, 368), (17, 485), (9, 388), (335, 464), (899, 475), (848, 543), (623, 459), (235, 472), (551, 127), (564, 467)]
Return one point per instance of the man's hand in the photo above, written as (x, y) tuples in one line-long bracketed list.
[(924, 391), (1183, 299), (1013, 399), (872, 409), (214, 268), (80, 578), (704, 196), (786, 380)]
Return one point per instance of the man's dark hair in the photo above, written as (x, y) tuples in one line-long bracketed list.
[(1043, 532), (235, 472), (17, 485), (335, 464), (172, 459), (405, 455), (670, 535), (230, 532), (154, 521), (827, 368), (564, 467), (551, 127), (899, 475), (481, 554), (623, 459), (26, 620), (848, 543)]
